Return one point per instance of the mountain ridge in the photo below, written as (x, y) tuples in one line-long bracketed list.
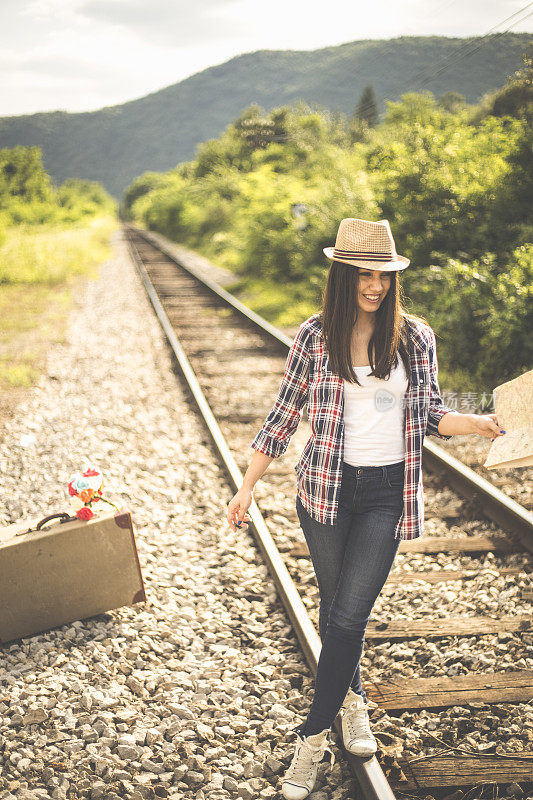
[(116, 143)]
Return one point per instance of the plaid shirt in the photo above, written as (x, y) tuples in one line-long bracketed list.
[(308, 379)]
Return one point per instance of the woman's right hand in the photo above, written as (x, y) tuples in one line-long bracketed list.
[(237, 508)]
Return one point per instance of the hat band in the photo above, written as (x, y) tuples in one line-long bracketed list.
[(363, 256)]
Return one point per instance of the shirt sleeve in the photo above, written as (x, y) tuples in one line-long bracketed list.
[(286, 413), (437, 408)]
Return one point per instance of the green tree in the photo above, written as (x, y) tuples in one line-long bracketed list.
[(142, 185), (452, 101), (27, 194), (367, 107), (23, 176), (456, 190), (516, 97), (484, 316), (440, 181)]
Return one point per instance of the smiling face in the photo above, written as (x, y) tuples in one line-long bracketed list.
[(372, 287)]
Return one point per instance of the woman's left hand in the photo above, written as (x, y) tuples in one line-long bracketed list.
[(487, 425)]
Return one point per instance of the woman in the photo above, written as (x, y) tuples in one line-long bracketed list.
[(368, 373)]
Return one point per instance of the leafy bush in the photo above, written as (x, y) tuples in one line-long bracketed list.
[(484, 316), (28, 196), (453, 180)]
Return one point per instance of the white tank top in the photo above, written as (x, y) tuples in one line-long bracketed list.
[(374, 417)]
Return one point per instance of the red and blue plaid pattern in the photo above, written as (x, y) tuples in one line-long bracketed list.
[(308, 379)]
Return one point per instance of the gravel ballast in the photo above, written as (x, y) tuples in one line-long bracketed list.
[(194, 693)]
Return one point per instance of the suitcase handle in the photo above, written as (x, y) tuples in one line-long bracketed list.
[(63, 517)]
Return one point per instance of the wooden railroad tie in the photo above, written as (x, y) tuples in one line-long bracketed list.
[(515, 686), (400, 576), (457, 770), (465, 544), (476, 625), (439, 544)]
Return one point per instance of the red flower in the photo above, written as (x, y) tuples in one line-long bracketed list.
[(84, 513), (89, 473), (71, 491)]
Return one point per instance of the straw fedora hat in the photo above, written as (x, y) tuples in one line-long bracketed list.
[(366, 244)]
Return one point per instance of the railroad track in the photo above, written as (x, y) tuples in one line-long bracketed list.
[(233, 360)]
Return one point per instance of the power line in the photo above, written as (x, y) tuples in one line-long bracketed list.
[(494, 38), (478, 41), (379, 55), (452, 56), (439, 8), (458, 54)]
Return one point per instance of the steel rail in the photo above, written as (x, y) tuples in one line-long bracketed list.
[(262, 324), (368, 772), (494, 503)]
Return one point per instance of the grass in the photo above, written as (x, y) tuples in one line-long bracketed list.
[(48, 255), (41, 269), (284, 306)]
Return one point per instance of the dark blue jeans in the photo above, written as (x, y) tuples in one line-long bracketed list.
[(352, 560)]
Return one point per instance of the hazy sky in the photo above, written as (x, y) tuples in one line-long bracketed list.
[(80, 55)]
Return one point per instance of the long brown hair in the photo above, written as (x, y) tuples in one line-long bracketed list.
[(339, 313)]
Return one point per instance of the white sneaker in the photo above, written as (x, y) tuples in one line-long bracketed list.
[(300, 777), (356, 734)]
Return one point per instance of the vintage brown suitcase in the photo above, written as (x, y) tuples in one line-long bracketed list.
[(61, 569)]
